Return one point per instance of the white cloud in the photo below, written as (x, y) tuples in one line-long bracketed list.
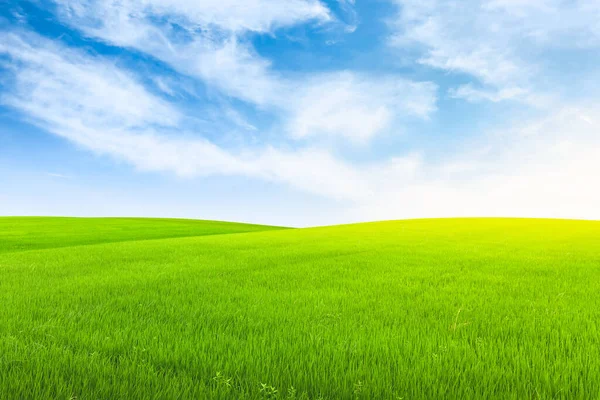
[(229, 15), (498, 42), (55, 175), (546, 167), (470, 93), (477, 94), (212, 49), (357, 107), (348, 8), (197, 38), (101, 108), (164, 85), (48, 75)]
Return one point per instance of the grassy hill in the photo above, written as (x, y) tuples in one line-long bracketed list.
[(420, 309), (26, 233)]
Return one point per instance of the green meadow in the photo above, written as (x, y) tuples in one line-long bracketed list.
[(416, 309)]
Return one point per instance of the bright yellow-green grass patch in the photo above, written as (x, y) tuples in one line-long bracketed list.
[(421, 309)]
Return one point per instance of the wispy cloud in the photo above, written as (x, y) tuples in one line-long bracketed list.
[(500, 43), (55, 175), (60, 84), (357, 107), (227, 15), (348, 8), (95, 104), (542, 168), (202, 40)]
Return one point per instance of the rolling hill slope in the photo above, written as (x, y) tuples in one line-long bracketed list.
[(450, 308), (26, 233)]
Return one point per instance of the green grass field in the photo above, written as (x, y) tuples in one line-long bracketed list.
[(419, 309)]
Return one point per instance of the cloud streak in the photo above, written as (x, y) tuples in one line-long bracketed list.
[(202, 40), (102, 108), (357, 107), (500, 43)]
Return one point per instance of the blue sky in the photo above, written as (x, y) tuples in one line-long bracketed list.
[(300, 112)]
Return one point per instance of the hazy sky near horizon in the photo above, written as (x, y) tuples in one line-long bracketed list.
[(300, 112)]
